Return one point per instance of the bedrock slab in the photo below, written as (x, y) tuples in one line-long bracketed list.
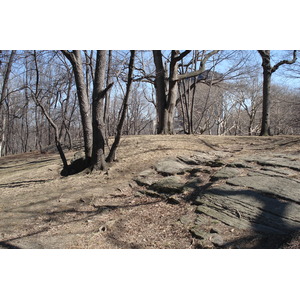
[(285, 188)]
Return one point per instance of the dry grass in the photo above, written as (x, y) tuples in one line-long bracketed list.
[(41, 209)]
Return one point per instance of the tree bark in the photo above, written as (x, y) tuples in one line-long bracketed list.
[(172, 95), (265, 124), (98, 161), (6, 77), (160, 88), (84, 105), (3, 96)]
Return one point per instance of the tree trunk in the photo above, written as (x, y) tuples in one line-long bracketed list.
[(2, 141), (172, 95), (116, 142), (56, 134), (160, 88), (267, 73), (84, 105), (265, 123), (166, 104), (98, 161), (2, 98), (6, 77)]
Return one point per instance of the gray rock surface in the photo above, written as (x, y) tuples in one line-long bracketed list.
[(217, 240), (199, 232), (188, 219), (260, 193), (291, 161), (147, 177), (169, 185), (239, 164), (277, 186), (249, 209), (170, 167), (225, 173)]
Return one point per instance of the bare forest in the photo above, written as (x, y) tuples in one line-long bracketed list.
[(113, 148), (66, 97)]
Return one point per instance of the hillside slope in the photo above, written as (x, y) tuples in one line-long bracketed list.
[(41, 209)]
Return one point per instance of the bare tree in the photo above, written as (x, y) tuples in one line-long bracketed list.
[(93, 126), (37, 95), (98, 111), (3, 96), (116, 142), (268, 70), (166, 94), (85, 111)]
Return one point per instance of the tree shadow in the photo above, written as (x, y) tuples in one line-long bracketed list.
[(5, 245), (77, 166), (211, 146), (13, 166), (22, 183), (8, 245), (83, 216)]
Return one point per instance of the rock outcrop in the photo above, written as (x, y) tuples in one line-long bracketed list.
[(249, 193)]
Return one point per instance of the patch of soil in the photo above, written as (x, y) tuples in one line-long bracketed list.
[(41, 209)]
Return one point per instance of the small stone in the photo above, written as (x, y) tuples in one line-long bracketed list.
[(217, 240)]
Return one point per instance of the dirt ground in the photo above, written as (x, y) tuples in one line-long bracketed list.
[(41, 209)]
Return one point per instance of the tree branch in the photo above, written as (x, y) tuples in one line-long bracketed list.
[(103, 92), (68, 55), (182, 55), (202, 68), (285, 61)]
